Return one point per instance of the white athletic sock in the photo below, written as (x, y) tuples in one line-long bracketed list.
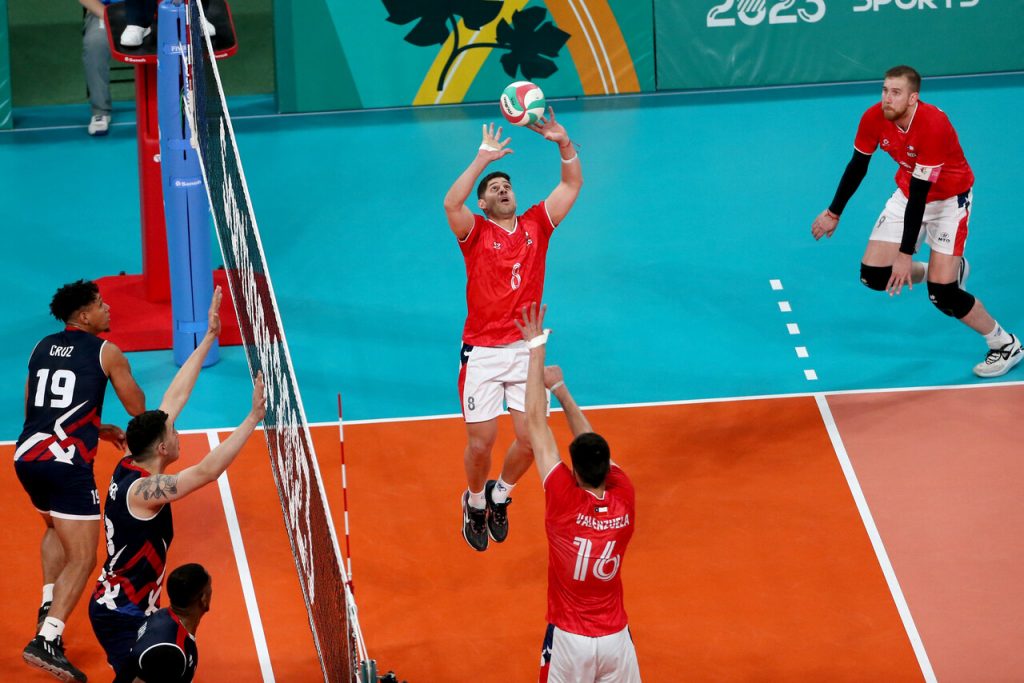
[(501, 491), (997, 338), (476, 500), (52, 628), (47, 594)]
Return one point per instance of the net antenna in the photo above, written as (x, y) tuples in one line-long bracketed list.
[(325, 583)]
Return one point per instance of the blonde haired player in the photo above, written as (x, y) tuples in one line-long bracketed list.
[(505, 257)]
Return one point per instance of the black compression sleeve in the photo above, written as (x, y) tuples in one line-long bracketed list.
[(848, 184), (915, 212)]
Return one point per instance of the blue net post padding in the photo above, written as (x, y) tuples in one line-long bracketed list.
[(186, 208)]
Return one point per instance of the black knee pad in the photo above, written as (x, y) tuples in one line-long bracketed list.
[(950, 299), (875, 277)]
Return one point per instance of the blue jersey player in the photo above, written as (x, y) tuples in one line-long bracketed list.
[(137, 514), (164, 648), (67, 379)]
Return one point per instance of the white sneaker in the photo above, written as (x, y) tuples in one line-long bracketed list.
[(132, 36), (208, 28), (99, 125), (963, 273), (1000, 361)]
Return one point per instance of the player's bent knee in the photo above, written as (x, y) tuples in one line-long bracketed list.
[(875, 277), (950, 299)]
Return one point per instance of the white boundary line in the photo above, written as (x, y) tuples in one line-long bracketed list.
[(248, 590), (876, 539), (650, 404)]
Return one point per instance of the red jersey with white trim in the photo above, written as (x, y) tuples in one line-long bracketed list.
[(504, 272), (929, 149), (587, 540)]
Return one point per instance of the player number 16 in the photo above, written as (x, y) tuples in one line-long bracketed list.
[(753, 12)]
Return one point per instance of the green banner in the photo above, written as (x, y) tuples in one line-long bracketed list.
[(734, 43), (340, 54), (6, 120)]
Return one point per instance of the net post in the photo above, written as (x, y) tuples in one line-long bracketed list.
[(186, 208)]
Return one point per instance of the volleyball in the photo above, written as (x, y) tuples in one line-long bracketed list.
[(522, 103)]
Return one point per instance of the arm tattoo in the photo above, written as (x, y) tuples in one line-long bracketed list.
[(158, 486)]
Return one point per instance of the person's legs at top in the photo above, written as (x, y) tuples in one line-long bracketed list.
[(96, 60)]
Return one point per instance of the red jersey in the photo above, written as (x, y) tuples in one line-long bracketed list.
[(587, 539), (929, 149), (504, 272)]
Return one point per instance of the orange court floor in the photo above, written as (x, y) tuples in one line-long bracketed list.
[(751, 561)]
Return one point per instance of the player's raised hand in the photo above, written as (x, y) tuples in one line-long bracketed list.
[(549, 128), (259, 398), (533, 321), (552, 375), (213, 317), (493, 147), (824, 225)]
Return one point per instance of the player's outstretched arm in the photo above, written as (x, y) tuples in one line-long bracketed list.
[(149, 493), (460, 218), (545, 449), (828, 220), (565, 193), (554, 380), (128, 391), (184, 381)]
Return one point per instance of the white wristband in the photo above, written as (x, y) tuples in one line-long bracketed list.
[(559, 383), (539, 340), (484, 147), (571, 159)]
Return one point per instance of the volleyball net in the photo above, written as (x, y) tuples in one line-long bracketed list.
[(325, 584)]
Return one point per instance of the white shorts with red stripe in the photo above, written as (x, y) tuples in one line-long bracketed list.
[(491, 377), (944, 225), (569, 658)]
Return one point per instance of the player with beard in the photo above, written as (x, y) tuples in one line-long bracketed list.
[(934, 191)]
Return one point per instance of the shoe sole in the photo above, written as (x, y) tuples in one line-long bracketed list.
[(466, 538), (63, 675), (1010, 365)]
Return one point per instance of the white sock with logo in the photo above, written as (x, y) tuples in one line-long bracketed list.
[(52, 628), (997, 338), (501, 491), (476, 500), (47, 594)]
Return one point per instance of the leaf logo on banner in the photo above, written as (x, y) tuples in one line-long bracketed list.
[(531, 42)]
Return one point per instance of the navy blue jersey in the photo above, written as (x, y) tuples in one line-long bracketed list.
[(66, 384), (165, 652), (133, 574)]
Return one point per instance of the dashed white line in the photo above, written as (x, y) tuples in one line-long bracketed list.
[(785, 307), (793, 328), (810, 374), (776, 284), (801, 352)]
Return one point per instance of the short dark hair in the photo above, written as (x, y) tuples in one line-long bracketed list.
[(185, 585), (144, 430), (908, 72), (482, 187), (591, 458), (71, 297)]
